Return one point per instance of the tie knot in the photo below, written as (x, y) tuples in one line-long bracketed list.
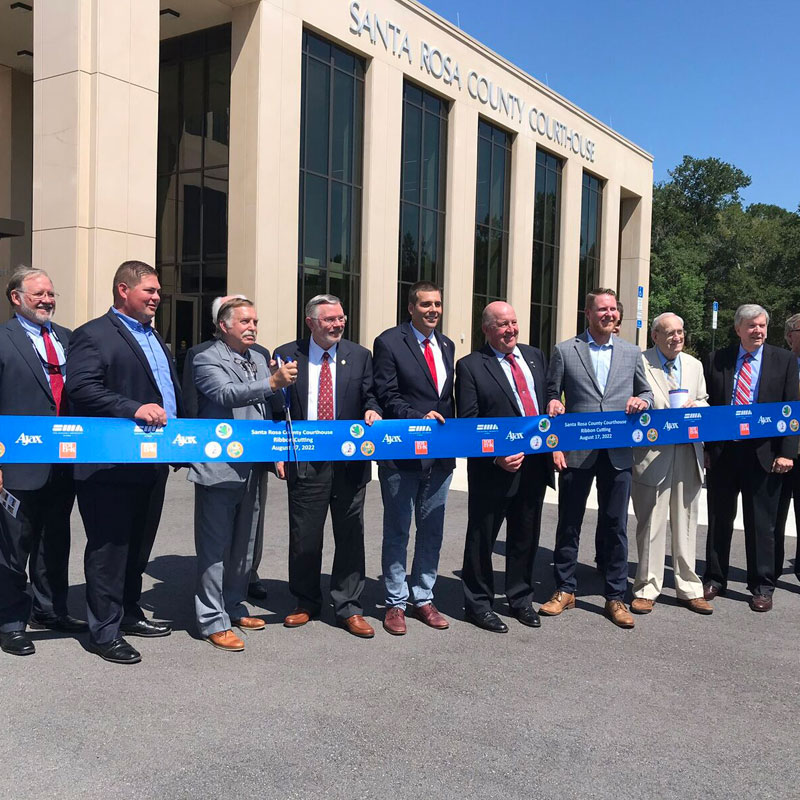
[(326, 356), (670, 365), (426, 343), (748, 357), (510, 357), (44, 330)]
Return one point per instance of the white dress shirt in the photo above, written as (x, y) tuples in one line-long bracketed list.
[(438, 359), (314, 365), (526, 372)]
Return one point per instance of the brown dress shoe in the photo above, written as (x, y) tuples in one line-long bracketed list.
[(226, 640), (619, 614), (249, 623), (560, 601), (430, 616), (761, 602), (358, 626), (697, 604), (641, 605), (297, 618), (394, 621)]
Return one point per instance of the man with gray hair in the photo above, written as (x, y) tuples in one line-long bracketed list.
[(37, 536), (791, 483), (747, 372), (667, 480)]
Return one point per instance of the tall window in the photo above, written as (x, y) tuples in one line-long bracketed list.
[(491, 222), (546, 233), (331, 154), (591, 215), (192, 187), (422, 191)]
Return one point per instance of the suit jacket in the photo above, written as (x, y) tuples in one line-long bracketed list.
[(404, 385), (108, 376), (653, 465), (483, 390), (571, 373), (354, 393), (25, 389), (225, 391), (777, 382)]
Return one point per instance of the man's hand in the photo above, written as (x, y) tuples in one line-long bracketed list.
[(151, 414), (559, 460), (1, 480), (689, 404), (782, 465), (510, 463), (280, 470), (283, 376), (555, 407), (635, 405), (371, 416), (434, 415)]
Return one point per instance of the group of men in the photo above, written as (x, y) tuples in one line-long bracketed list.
[(118, 366)]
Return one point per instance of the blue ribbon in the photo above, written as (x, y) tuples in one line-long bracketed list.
[(71, 440)]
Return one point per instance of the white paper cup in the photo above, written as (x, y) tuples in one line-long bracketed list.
[(678, 398)]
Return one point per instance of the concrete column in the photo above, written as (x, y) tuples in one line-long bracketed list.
[(459, 238), (570, 238), (634, 263), (609, 238), (265, 164), (380, 220), (520, 256), (95, 124)]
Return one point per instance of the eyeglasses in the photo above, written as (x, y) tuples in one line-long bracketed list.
[(39, 295), (332, 320)]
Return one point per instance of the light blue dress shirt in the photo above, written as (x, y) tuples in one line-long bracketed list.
[(755, 373), (601, 359), (34, 332), (157, 359), (676, 369), (526, 372)]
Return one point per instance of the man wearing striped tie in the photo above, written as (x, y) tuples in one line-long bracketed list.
[(749, 371)]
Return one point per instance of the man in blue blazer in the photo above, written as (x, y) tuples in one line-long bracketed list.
[(414, 379), (503, 379), (118, 366), (32, 356)]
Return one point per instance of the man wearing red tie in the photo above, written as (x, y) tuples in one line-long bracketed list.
[(32, 356), (502, 379), (744, 373)]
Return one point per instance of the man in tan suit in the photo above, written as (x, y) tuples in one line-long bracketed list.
[(667, 480)]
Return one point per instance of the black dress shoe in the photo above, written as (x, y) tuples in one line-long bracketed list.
[(257, 591), (117, 652), (527, 616), (489, 621), (65, 624), (17, 643), (146, 628)]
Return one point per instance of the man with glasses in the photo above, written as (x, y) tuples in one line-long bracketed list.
[(667, 480), (334, 381), (37, 537)]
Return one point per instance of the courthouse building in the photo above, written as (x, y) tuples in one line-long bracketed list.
[(282, 148)]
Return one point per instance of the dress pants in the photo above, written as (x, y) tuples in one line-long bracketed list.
[(121, 520), (738, 470), (258, 541), (790, 493), (314, 487), (672, 504), (37, 539), (225, 521), (613, 494), (488, 507)]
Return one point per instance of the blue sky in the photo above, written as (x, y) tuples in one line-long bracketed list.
[(702, 78)]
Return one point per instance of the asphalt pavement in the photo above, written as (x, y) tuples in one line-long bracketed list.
[(683, 705)]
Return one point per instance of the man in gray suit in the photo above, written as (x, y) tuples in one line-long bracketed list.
[(232, 383), (595, 371)]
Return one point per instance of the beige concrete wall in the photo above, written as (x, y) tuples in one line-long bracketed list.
[(95, 96)]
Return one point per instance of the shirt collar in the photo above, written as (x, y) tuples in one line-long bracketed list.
[(502, 356), (32, 327), (590, 339), (756, 354), (421, 337), (663, 359), (132, 323), (315, 351)]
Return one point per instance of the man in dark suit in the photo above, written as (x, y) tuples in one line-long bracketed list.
[(503, 379), (32, 356), (414, 379), (334, 381), (118, 366), (595, 371), (744, 373)]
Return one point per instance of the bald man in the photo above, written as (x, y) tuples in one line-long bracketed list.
[(503, 379)]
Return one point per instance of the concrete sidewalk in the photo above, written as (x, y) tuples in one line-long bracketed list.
[(686, 705)]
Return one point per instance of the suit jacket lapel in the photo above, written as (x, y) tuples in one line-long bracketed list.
[(538, 380), (728, 372), (582, 349), (496, 371), (26, 349), (301, 386), (134, 345), (656, 373), (448, 356), (343, 370), (416, 350)]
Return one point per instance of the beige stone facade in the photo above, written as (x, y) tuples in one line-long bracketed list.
[(78, 150)]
